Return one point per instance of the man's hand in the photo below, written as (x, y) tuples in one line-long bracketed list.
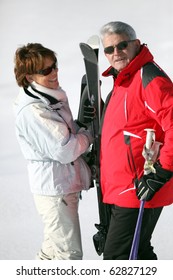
[(149, 184)]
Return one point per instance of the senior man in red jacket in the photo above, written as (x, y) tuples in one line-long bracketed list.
[(142, 97)]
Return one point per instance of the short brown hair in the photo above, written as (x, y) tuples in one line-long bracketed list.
[(29, 59)]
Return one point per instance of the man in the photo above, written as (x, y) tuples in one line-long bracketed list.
[(142, 97)]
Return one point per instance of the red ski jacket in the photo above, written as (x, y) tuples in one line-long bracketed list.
[(142, 97)]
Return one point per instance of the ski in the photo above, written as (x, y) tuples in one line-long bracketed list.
[(90, 92)]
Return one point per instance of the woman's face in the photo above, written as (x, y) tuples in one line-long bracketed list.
[(48, 76)]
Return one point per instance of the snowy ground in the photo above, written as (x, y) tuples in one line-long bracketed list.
[(61, 25)]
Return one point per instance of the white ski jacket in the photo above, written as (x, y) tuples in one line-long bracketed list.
[(51, 142)]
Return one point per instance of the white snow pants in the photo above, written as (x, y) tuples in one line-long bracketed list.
[(62, 236)]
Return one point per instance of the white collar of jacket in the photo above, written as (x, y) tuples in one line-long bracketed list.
[(58, 93)]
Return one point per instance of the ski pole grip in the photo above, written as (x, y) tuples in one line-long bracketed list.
[(150, 138)]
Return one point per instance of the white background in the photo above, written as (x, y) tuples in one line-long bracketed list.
[(61, 26)]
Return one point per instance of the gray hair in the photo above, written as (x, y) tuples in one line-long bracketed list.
[(118, 27)]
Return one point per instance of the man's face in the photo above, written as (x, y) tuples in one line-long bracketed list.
[(120, 56)]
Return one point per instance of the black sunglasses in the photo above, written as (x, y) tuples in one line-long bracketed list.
[(48, 70), (120, 47)]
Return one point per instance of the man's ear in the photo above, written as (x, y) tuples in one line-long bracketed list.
[(29, 78), (138, 44)]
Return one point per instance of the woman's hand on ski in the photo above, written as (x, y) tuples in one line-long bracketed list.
[(89, 112)]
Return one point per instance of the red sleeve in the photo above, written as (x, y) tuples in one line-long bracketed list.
[(159, 98)]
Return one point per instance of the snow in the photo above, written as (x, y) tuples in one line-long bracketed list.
[(61, 26)]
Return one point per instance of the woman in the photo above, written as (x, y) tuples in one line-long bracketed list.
[(53, 144)]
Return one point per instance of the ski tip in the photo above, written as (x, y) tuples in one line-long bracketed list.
[(89, 53), (94, 42)]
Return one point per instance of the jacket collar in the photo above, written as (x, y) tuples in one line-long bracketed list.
[(48, 96), (34, 93)]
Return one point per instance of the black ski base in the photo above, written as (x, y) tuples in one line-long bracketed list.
[(90, 92)]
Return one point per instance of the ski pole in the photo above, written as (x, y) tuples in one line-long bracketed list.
[(135, 244)]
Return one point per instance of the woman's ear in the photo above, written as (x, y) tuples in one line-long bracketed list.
[(29, 78)]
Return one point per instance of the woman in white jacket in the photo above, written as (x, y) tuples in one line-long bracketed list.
[(53, 144)]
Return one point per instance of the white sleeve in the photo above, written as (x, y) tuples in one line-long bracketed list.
[(50, 137)]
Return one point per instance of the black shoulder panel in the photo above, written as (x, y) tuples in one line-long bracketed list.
[(151, 71)]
